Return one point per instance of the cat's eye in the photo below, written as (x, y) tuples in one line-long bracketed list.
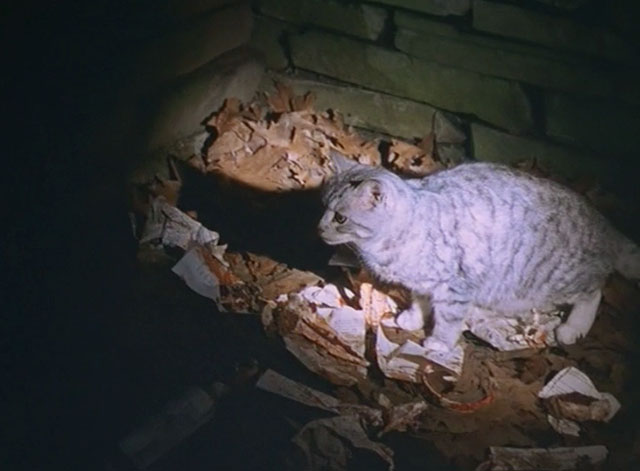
[(339, 218)]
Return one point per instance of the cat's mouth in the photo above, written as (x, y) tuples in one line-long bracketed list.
[(334, 239)]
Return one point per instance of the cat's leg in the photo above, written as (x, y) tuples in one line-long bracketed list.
[(580, 319), (414, 317), (449, 323)]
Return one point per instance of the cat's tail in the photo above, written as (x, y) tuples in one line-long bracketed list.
[(628, 260)]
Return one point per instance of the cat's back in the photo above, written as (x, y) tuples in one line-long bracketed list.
[(511, 226), (484, 175), (501, 187)]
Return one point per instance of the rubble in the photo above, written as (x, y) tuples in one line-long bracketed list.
[(490, 392), (323, 443), (177, 420), (287, 152), (571, 397)]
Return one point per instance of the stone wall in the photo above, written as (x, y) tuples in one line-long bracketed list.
[(546, 80), (171, 64)]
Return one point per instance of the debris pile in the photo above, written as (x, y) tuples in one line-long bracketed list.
[(492, 395)]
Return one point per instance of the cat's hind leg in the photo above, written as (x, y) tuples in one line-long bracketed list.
[(580, 319), (449, 323)]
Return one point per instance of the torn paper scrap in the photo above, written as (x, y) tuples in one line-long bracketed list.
[(533, 329), (543, 459), (326, 442), (450, 359), (413, 160), (572, 380), (409, 361), (195, 272), (347, 323), (320, 360), (564, 426), (324, 332), (167, 225), (403, 416), (283, 386), (571, 395), (375, 304), (282, 151), (272, 277), (406, 361)]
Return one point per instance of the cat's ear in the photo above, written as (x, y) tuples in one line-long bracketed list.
[(371, 193), (340, 162)]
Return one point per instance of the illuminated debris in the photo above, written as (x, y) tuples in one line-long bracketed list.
[(284, 147), (571, 397)]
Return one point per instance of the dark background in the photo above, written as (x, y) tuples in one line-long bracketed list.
[(76, 371)]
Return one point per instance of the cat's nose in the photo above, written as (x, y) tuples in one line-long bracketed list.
[(321, 230)]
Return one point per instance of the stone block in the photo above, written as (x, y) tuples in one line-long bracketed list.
[(186, 8), (602, 125), (188, 101), (181, 51), (364, 21), (372, 110), (551, 31), (495, 146), (443, 43), (565, 4), (267, 37), (432, 7), (500, 102)]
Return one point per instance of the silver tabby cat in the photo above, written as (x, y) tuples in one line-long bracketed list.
[(478, 235)]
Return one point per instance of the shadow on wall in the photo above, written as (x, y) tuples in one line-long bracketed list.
[(282, 226)]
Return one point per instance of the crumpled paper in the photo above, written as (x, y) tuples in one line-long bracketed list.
[(323, 325), (323, 443), (572, 397), (167, 225), (326, 442), (324, 332), (285, 147), (278, 384), (344, 333), (533, 329), (236, 282)]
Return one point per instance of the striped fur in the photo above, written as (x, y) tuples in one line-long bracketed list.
[(478, 234)]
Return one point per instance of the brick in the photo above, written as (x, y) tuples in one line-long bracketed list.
[(551, 31), (188, 101), (444, 44), (497, 101), (495, 146), (267, 38), (373, 110), (364, 21), (602, 125), (182, 51), (432, 7)]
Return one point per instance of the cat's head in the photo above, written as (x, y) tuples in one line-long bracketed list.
[(359, 201)]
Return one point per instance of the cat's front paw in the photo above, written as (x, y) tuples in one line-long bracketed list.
[(567, 334), (410, 319)]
